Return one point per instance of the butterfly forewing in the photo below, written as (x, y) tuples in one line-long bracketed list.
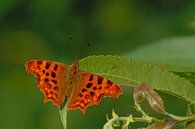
[(92, 89), (51, 79)]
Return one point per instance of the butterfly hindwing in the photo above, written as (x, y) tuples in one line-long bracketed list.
[(50, 79), (93, 89)]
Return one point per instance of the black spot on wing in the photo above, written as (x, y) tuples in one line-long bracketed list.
[(54, 81), (109, 82), (94, 88), (89, 85), (47, 65), (53, 74), (46, 80), (100, 79), (91, 78), (99, 88), (47, 74), (92, 93), (83, 90), (55, 67)]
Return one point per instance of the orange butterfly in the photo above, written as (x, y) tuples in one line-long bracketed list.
[(58, 81)]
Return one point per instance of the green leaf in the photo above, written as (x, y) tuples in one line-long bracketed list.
[(124, 71), (176, 51), (175, 54), (191, 125), (187, 75)]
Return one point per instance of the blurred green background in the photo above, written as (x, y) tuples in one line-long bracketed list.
[(39, 29)]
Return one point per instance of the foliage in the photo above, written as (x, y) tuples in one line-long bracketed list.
[(175, 54), (131, 73), (39, 29), (141, 92)]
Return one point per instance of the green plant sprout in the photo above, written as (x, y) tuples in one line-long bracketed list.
[(142, 92)]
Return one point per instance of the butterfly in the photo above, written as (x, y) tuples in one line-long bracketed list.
[(59, 82)]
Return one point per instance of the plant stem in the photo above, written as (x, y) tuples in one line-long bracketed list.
[(144, 115), (181, 118), (128, 119), (63, 114)]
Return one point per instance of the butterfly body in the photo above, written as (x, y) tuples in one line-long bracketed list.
[(58, 82)]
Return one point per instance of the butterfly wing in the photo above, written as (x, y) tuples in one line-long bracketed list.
[(51, 79), (92, 89)]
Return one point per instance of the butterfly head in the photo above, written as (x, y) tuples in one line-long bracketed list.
[(75, 67)]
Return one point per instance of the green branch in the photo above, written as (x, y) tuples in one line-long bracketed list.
[(63, 114)]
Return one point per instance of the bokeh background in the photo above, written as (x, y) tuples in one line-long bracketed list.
[(158, 31)]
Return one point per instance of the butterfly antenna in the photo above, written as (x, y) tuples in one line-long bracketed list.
[(71, 47), (83, 54)]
